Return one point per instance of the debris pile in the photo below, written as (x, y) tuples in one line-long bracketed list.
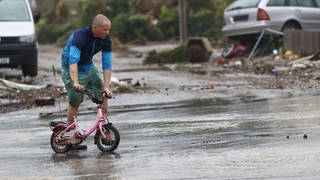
[(17, 96), (285, 69)]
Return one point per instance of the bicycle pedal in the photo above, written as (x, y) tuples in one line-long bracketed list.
[(79, 135), (79, 147)]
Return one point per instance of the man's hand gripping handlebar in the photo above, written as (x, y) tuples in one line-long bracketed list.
[(79, 88), (107, 94)]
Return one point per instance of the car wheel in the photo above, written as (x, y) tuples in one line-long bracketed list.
[(291, 26), (29, 70)]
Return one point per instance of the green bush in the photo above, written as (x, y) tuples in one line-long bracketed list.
[(201, 23), (205, 19), (49, 33), (134, 29), (177, 55), (169, 22), (120, 26), (88, 11), (154, 33), (114, 7), (138, 25)]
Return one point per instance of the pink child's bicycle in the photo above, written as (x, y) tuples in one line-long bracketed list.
[(107, 137)]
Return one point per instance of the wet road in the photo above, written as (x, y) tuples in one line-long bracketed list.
[(239, 137)]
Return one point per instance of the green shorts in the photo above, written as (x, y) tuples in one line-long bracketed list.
[(92, 80)]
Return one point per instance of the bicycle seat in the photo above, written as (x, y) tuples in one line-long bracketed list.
[(95, 98), (55, 123)]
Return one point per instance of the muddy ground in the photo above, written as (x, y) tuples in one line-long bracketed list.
[(261, 73)]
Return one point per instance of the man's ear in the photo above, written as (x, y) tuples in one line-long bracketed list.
[(94, 28)]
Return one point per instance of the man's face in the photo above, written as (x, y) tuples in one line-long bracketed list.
[(103, 31)]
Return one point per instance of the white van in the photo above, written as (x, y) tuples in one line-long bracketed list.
[(18, 42)]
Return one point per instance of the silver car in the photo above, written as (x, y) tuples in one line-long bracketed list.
[(250, 17)]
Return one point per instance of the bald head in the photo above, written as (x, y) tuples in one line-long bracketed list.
[(99, 20)]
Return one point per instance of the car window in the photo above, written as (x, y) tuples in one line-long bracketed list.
[(14, 10), (306, 3), (276, 3), (318, 2), (293, 3), (243, 4)]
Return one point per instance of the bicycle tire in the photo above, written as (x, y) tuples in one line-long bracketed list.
[(112, 142), (58, 148)]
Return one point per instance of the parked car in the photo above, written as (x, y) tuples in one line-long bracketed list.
[(247, 18), (18, 43)]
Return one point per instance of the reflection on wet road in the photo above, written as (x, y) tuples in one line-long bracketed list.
[(235, 138)]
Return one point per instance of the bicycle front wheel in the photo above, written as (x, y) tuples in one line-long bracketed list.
[(112, 140)]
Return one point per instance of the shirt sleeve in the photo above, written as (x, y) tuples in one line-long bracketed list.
[(107, 60), (74, 55)]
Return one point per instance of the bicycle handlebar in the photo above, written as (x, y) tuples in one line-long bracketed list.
[(96, 99)]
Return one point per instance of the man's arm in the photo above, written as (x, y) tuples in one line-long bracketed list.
[(74, 57), (75, 79), (107, 67), (74, 73), (106, 77)]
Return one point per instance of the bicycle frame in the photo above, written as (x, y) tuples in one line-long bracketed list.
[(101, 120)]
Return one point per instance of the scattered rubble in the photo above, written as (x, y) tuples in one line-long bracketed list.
[(279, 70), (284, 72), (18, 99), (15, 96)]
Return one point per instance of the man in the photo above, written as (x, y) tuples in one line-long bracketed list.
[(79, 71)]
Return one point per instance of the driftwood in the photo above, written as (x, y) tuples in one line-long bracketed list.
[(301, 60), (10, 85), (305, 62)]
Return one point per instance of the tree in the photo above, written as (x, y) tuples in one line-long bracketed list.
[(58, 13)]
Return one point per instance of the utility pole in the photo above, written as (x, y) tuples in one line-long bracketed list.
[(183, 22)]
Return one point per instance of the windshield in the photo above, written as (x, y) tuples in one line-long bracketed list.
[(14, 10), (243, 4)]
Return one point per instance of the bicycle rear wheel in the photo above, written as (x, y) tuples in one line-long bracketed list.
[(111, 142), (58, 148)]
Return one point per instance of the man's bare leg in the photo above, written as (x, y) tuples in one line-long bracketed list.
[(105, 105), (72, 111)]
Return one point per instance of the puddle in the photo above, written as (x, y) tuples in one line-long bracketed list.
[(240, 137)]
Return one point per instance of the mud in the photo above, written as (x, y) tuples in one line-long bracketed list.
[(255, 74), (190, 121)]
